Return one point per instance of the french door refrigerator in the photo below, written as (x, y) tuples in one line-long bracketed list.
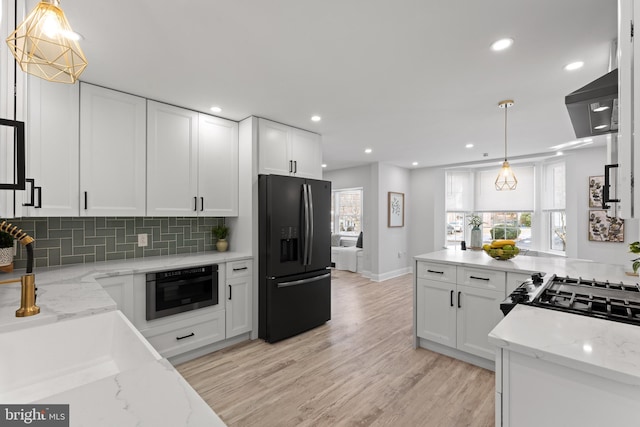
[(294, 255)]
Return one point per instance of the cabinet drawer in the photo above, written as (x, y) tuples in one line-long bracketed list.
[(481, 278), (182, 339), (434, 271), (239, 268)]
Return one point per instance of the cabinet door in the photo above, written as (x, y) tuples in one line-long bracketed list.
[(112, 152), (274, 142), (120, 289), (217, 166), (436, 320), (172, 155), (306, 153), (478, 313), (53, 148), (238, 306)]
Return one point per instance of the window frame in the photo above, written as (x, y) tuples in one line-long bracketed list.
[(335, 211)]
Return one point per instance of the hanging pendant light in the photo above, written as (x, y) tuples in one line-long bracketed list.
[(45, 45), (506, 179)]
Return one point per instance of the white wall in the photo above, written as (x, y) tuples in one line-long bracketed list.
[(426, 211), (381, 244), (359, 177), (393, 242), (581, 164)]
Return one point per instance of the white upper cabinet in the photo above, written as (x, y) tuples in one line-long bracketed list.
[(192, 163), (52, 149), (306, 151), (112, 152), (284, 150), (217, 166), (172, 159)]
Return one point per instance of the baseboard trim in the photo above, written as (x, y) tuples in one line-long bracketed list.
[(390, 274), (457, 354)]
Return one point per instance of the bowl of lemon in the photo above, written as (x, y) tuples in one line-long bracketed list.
[(501, 249)]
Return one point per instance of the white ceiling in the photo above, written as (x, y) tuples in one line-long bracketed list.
[(414, 80)]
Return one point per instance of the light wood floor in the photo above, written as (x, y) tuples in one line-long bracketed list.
[(359, 369)]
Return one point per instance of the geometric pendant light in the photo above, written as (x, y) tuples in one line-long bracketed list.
[(45, 45), (506, 179)]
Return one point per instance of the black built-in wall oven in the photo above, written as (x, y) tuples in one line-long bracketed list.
[(177, 291)]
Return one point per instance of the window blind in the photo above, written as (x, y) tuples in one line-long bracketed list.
[(488, 199)]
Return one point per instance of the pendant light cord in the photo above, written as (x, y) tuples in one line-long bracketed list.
[(506, 107)]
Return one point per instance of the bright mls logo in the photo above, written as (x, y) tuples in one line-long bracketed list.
[(34, 415)]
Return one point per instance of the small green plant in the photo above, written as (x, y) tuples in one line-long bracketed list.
[(6, 241), (504, 231), (220, 231), (475, 221), (634, 248)]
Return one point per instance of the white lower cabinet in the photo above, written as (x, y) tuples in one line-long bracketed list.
[(239, 301), (180, 333), (120, 289), (436, 311), (187, 334), (458, 306), (478, 312)]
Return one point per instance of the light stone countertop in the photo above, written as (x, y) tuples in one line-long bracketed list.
[(595, 346), (71, 291), (154, 394)]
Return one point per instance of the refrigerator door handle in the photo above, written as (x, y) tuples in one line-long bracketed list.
[(305, 194), (311, 231), (303, 281)]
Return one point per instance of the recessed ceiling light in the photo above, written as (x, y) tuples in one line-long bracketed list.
[(469, 145), (501, 44), (415, 163), (324, 165), (368, 150), (574, 66), (316, 118), (216, 109), (600, 127), (559, 153)]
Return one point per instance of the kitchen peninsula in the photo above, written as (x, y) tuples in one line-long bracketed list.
[(564, 362), (152, 393)]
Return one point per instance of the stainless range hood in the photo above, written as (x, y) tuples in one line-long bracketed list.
[(593, 109)]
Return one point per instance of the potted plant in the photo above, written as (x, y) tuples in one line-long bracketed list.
[(475, 221), (6, 248), (634, 248), (220, 232)]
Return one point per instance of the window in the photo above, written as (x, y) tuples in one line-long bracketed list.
[(533, 214), (496, 225), (553, 204), (346, 211)]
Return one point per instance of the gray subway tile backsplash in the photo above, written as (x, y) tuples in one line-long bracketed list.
[(64, 241)]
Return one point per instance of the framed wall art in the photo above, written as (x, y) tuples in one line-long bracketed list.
[(603, 228), (595, 191), (396, 209)]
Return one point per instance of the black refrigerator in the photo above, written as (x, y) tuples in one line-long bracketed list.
[(294, 255)]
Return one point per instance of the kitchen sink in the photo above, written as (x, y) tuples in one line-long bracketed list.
[(44, 360)]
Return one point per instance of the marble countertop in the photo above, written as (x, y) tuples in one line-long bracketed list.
[(600, 347), (151, 395), (560, 266), (596, 346), (70, 291)]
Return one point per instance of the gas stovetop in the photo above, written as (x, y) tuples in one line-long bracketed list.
[(611, 301)]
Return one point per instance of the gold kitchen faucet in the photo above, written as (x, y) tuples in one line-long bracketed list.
[(28, 305)]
